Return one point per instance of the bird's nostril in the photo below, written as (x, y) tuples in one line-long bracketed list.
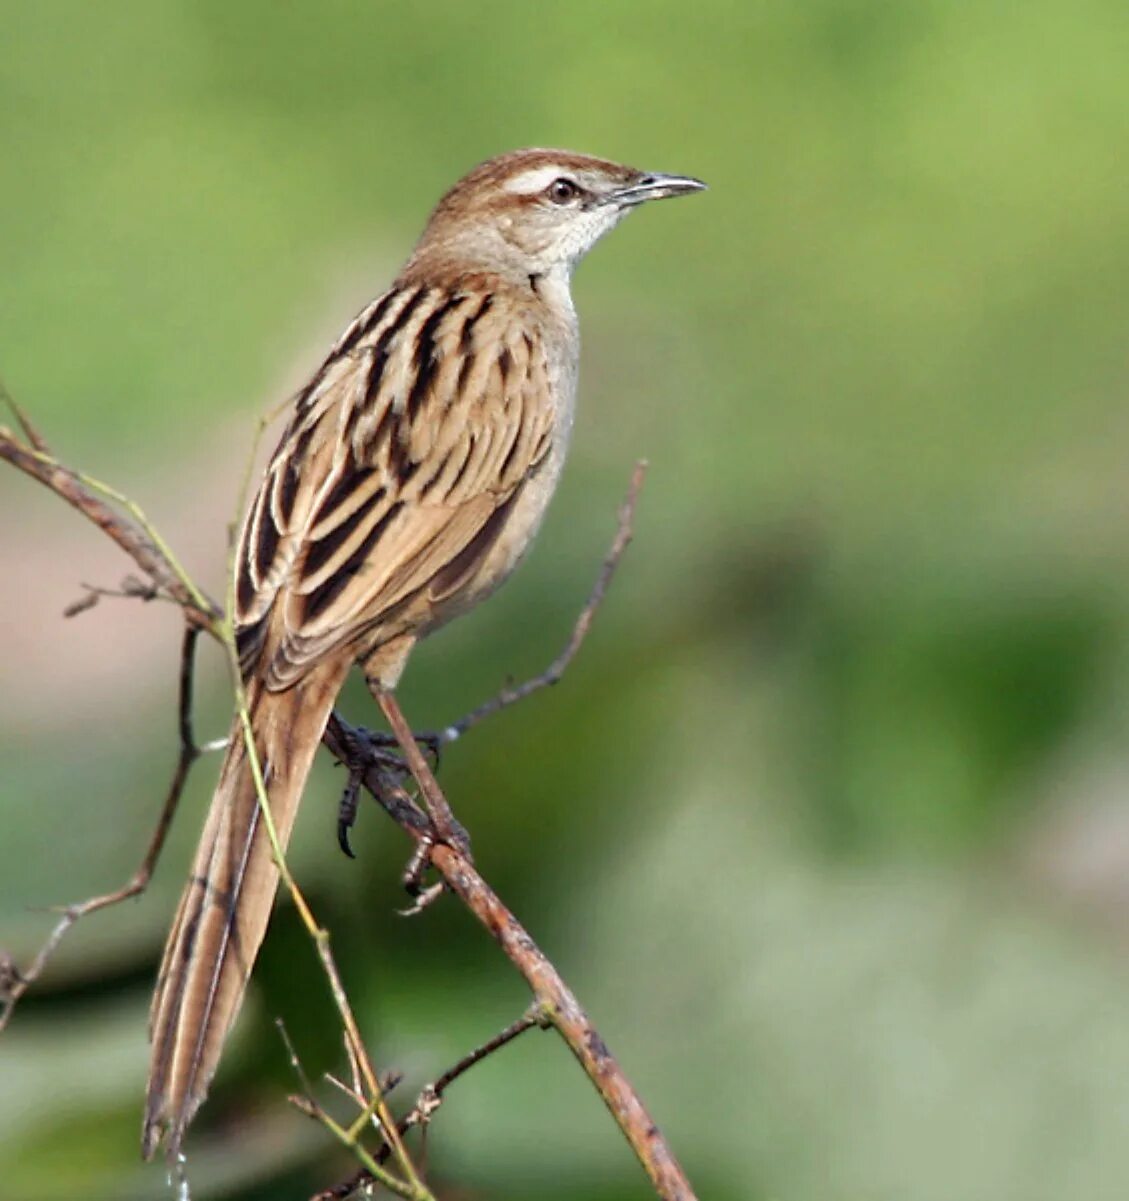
[(646, 179)]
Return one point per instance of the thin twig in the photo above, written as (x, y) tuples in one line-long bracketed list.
[(511, 694), (131, 587), (130, 535), (527, 1021), (34, 437), (139, 881), (310, 1106)]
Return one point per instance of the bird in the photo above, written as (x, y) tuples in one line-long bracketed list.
[(410, 479)]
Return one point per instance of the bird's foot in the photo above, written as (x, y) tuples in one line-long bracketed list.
[(374, 753)]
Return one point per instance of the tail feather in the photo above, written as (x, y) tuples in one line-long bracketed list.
[(226, 905)]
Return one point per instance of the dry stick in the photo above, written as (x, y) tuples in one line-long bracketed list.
[(131, 586), (559, 1006), (554, 1001), (126, 533), (511, 694), (189, 752), (437, 807), (38, 442)]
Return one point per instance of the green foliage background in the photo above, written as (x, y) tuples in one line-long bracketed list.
[(828, 824)]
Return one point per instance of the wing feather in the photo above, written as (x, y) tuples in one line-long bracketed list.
[(396, 473)]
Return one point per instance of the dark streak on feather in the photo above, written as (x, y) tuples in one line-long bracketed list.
[(363, 325), (425, 359), (320, 552), (380, 353), (384, 343), (403, 466), (301, 447), (451, 577), (352, 479), (244, 585), (286, 489), (248, 643), (505, 363), (267, 542), (321, 598), (466, 338)]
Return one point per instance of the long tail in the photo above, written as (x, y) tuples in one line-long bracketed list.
[(226, 904)]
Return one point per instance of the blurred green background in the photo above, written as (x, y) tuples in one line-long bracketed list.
[(829, 824)]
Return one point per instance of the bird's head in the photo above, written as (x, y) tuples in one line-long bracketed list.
[(536, 212)]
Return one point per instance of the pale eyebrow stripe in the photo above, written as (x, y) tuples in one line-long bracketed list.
[(534, 180)]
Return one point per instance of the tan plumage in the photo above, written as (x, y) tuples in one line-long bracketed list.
[(410, 480)]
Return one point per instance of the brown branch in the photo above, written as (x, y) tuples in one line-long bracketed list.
[(120, 529), (34, 437), (433, 1093), (20, 980), (554, 1001), (563, 1011), (442, 819)]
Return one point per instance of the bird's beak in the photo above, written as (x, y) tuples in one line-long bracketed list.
[(653, 186)]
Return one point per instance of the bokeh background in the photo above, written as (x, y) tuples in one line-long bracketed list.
[(829, 824)]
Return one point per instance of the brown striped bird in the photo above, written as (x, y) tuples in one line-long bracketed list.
[(410, 480)]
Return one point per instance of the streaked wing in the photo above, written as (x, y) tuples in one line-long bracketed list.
[(404, 451)]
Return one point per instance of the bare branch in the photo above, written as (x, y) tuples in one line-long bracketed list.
[(34, 437), (553, 1001), (127, 533)]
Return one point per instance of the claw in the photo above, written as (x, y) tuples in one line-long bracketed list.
[(343, 837), (347, 813)]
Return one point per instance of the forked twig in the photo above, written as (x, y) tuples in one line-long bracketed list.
[(132, 534)]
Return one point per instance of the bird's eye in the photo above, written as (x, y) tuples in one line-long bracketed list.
[(562, 191)]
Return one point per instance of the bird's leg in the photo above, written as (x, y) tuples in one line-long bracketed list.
[(365, 755)]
